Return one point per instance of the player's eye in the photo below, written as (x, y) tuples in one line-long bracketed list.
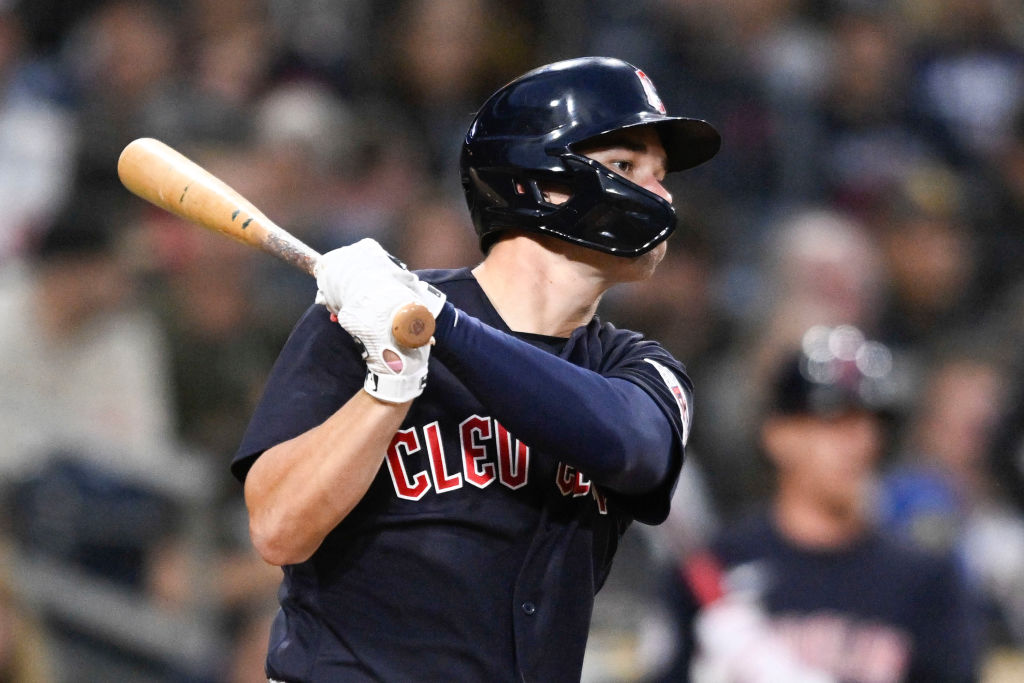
[(623, 166)]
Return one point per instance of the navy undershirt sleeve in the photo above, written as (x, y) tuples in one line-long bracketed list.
[(608, 427)]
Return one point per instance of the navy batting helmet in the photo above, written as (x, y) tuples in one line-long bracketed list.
[(526, 134), (836, 370)]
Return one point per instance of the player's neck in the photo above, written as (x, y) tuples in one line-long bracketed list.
[(539, 290)]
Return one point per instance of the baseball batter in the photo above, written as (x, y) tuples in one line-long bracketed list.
[(449, 512)]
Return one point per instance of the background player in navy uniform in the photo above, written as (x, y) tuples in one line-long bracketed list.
[(807, 589), (449, 512)]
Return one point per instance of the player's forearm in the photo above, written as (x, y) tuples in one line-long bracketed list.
[(299, 490), (607, 427)]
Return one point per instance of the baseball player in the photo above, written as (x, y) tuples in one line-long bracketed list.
[(449, 512), (808, 589)]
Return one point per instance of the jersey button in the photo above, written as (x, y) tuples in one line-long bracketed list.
[(529, 607)]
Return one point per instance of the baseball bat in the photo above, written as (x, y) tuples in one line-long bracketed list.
[(166, 178)]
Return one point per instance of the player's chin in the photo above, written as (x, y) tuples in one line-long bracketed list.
[(642, 267)]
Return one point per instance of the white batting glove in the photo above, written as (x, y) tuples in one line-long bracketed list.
[(364, 287)]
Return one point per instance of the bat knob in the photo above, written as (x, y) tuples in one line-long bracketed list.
[(413, 326)]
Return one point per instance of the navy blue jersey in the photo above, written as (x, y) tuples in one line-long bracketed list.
[(874, 611), (471, 556)]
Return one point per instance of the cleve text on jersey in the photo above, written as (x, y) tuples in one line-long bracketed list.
[(489, 454)]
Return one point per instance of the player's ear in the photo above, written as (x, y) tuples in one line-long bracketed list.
[(554, 193)]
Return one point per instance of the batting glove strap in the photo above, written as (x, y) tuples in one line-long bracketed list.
[(395, 388)]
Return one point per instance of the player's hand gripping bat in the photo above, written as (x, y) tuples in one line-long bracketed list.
[(168, 179)]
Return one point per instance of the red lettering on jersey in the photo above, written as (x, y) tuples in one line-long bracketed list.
[(581, 486), (565, 479), (442, 480), (405, 443), (478, 473), (572, 482), (512, 468)]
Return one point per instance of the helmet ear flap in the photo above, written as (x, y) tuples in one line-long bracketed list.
[(502, 189), (484, 189), (503, 198)]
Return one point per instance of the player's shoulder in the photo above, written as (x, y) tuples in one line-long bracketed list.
[(617, 341), (612, 334), (627, 348)]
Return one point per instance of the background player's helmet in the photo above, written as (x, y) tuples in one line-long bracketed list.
[(526, 133), (836, 370)]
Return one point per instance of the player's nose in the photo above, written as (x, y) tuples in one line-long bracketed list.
[(654, 185)]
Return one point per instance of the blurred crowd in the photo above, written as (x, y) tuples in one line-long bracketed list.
[(872, 174)]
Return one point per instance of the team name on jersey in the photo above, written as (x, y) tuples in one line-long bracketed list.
[(490, 454), (849, 648)]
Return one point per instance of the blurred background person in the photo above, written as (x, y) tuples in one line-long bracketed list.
[(447, 56), (37, 137), (807, 588), (932, 258), (86, 408), (940, 492), (820, 266), (84, 361)]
